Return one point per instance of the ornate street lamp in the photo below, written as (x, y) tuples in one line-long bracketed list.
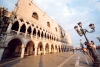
[(81, 32)]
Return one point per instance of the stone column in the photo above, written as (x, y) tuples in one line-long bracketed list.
[(50, 49), (18, 30), (26, 32), (35, 51), (44, 50), (9, 27), (32, 34), (54, 49), (1, 52), (58, 49), (36, 34), (22, 52)]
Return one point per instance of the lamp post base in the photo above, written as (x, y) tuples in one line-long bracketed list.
[(96, 64)]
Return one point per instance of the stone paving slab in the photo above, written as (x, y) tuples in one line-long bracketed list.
[(47, 60)]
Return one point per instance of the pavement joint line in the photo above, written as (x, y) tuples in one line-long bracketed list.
[(8, 62), (65, 61), (86, 60), (77, 62)]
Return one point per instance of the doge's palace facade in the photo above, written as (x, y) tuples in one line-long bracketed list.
[(31, 32)]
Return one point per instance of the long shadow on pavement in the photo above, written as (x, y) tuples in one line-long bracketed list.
[(41, 63), (9, 62)]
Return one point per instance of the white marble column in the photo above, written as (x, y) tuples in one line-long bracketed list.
[(44, 50), (9, 27), (35, 51), (26, 32), (36, 35), (22, 52), (32, 34), (18, 30)]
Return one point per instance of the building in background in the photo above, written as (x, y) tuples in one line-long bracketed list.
[(27, 30)]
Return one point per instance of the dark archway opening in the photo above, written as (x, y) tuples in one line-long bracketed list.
[(38, 33), (42, 34), (13, 49), (29, 30), (23, 28), (40, 48), (45, 35), (34, 32), (47, 48), (30, 49), (15, 26)]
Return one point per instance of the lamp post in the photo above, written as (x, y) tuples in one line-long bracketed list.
[(81, 32), (98, 38)]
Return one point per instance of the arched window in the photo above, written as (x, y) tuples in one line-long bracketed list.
[(56, 29), (35, 15), (48, 24)]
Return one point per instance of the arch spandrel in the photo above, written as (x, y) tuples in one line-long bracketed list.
[(26, 41), (8, 40)]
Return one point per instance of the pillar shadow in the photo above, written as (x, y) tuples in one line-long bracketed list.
[(9, 62), (41, 63)]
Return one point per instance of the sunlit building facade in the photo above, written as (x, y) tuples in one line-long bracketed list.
[(31, 32)]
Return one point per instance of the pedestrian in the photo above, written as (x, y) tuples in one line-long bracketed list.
[(73, 51), (94, 47)]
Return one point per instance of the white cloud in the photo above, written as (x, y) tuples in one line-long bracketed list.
[(98, 5)]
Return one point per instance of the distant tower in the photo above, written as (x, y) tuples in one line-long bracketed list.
[(81, 45)]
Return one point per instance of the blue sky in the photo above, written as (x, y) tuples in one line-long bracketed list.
[(68, 13)]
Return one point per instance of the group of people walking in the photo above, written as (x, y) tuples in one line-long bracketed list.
[(90, 47)]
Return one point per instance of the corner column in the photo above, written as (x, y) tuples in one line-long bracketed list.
[(1, 52)]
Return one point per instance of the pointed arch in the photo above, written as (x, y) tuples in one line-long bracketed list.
[(30, 48), (29, 30), (47, 48), (34, 32), (42, 34), (15, 26), (38, 33), (23, 28)]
